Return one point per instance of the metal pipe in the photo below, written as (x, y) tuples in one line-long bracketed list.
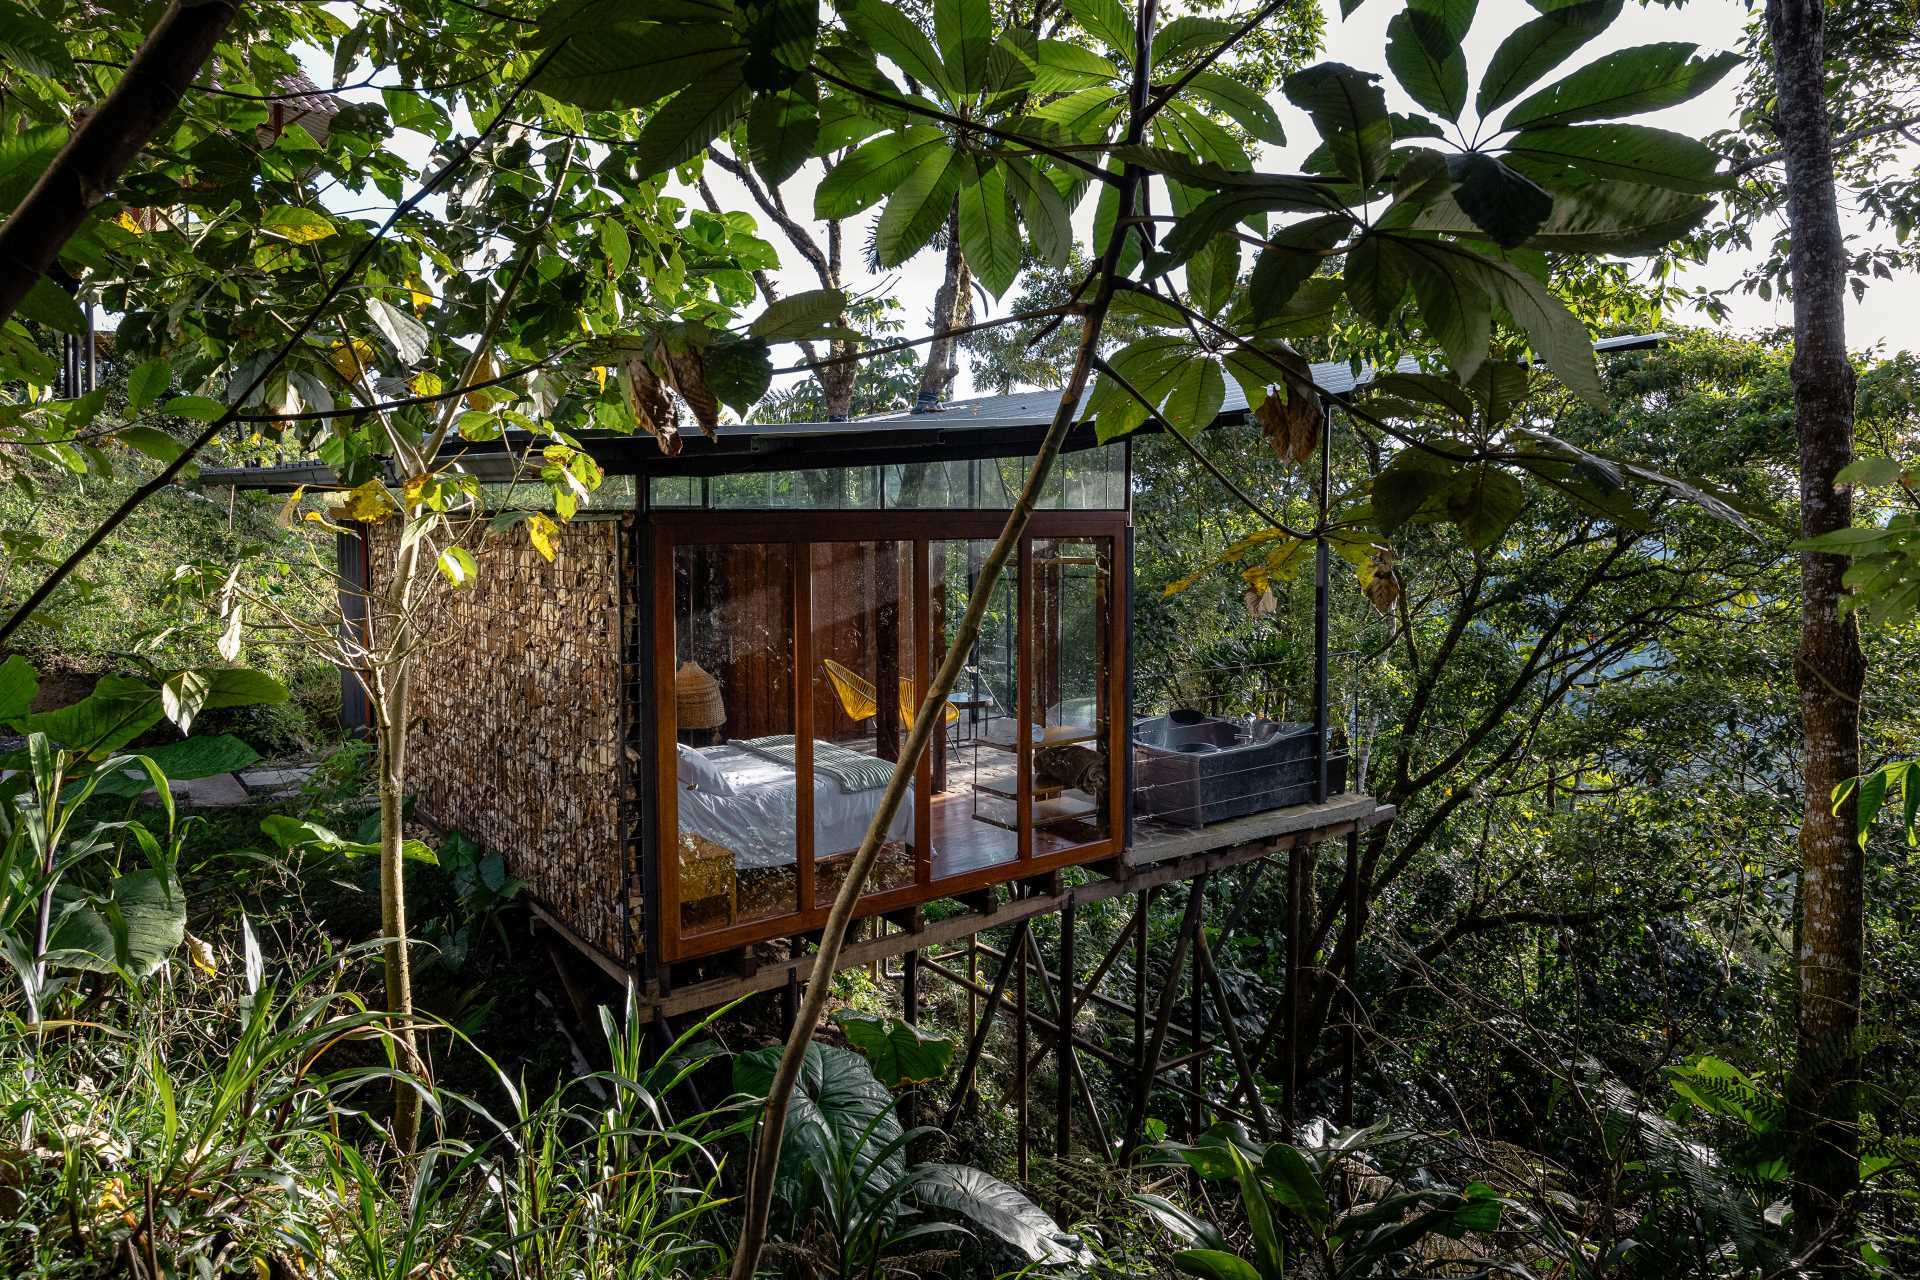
[(1320, 609), (978, 1042), (1063, 1004)]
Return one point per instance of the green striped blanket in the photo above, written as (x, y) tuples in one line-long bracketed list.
[(850, 770)]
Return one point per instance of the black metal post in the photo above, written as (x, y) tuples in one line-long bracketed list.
[(1063, 1057), (977, 1043), (1019, 956), (1355, 909), (1320, 785), (1169, 996), (910, 1014), (1291, 1041)]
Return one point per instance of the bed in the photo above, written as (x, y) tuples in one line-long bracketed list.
[(734, 845)]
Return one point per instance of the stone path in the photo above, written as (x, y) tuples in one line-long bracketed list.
[(249, 786)]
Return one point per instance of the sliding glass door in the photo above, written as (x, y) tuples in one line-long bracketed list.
[(791, 656)]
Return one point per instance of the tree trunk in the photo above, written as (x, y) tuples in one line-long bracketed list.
[(951, 307), (1829, 667), (90, 164)]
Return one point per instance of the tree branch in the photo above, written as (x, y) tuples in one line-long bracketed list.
[(99, 150)]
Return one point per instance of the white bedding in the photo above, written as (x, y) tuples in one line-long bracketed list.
[(759, 821)]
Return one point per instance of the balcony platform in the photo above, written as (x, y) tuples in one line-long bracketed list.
[(1160, 855)]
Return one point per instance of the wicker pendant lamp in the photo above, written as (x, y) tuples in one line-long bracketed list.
[(697, 700)]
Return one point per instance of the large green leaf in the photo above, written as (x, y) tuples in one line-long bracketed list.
[(1292, 255), (1239, 103), (917, 208), (1295, 1184), (1456, 307), (1537, 47), (1407, 490), (1483, 501), (1001, 1210), (1604, 217), (989, 233), (1048, 221), (1555, 333), (1424, 54), (118, 710), (1625, 83), (1508, 206), (1376, 277), (780, 37), (1219, 214), (892, 35), (19, 683), (635, 66), (1215, 1264), (835, 1101), (798, 314), (899, 1052), (683, 128), (1634, 153), (23, 158), (1151, 366), (31, 44), (1105, 20), (1195, 398), (136, 926), (1062, 66), (189, 758), (871, 171), (964, 30), (1350, 110), (781, 131)]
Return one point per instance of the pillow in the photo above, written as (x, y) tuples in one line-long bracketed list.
[(702, 774)]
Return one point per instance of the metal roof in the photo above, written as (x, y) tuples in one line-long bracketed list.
[(981, 426)]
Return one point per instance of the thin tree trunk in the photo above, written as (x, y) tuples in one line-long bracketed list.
[(1829, 667), (90, 164), (391, 727)]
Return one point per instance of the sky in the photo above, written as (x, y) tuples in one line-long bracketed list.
[(1884, 318)]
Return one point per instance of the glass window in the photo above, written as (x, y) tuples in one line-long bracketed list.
[(976, 765), (733, 700), (674, 491), (865, 692), (819, 489)]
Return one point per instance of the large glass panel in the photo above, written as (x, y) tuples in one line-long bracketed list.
[(864, 691), (733, 685), (1072, 691), (1084, 480), (822, 488), (975, 801)]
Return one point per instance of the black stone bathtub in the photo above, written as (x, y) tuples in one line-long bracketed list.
[(1193, 769)]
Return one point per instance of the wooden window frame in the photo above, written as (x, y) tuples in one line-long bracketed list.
[(672, 529)]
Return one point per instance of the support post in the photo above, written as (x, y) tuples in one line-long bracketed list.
[(1065, 1064), (1290, 1074), (1204, 968), (1169, 996), (1320, 785), (910, 1014), (1019, 956), (1350, 1051), (977, 1043)]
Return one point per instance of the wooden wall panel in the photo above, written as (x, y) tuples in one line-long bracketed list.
[(515, 733)]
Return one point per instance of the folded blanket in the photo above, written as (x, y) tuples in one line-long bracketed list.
[(850, 771)]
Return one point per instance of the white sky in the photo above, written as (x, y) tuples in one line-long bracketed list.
[(1360, 41)]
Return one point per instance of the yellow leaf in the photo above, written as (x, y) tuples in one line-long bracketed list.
[(425, 384), (600, 375), (417, 290), (368, 503), (202, 956), (321, 520), (415, 489), (540, 531), (481, 373), (291, 505), (350, 361), (130, 223)]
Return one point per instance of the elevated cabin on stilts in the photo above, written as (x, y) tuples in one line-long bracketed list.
[(678, 730)]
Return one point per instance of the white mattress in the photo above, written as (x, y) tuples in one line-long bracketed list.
[(759, 822)]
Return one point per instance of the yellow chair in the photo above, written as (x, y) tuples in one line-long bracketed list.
[(861, 701)]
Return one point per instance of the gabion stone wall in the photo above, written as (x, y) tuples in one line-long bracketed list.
[(515, 735)]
